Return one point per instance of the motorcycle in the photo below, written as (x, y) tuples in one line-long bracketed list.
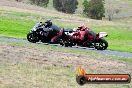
[(91, 39), (64, 38), (40, 33)]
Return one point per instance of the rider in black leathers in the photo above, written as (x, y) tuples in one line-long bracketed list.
[(49, 24), (52, 30)]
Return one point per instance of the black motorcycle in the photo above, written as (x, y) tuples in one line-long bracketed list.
[(41, 33)]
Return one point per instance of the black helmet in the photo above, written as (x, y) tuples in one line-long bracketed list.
[(48, 23)]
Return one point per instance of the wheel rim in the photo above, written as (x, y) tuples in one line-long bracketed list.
[(100, 45), (32, 38), (67, 42)]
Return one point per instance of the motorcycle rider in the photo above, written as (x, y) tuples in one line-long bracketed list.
[(83, 33), (50, 25), (82, 27), (86, 33), (82, 30), (53, 30)]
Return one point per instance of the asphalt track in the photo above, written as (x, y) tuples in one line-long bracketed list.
[(108, 52)]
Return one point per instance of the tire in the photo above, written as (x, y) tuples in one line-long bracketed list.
[(32, 38), (101, 44), (67, 41)]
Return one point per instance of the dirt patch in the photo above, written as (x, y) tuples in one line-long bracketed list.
[(19, 54), (26, 67)]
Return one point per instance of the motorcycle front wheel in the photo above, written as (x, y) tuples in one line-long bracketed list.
[(31, 37), (102, 44)]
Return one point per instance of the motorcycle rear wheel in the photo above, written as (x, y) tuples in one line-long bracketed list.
[(67, 41), (102, 44)]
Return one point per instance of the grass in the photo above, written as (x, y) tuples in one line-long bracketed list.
[(67, 50), (119, 37), (36, 75), (15, 28), (26, 74), (18, 24)]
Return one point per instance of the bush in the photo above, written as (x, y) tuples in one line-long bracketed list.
[(66, 6), (18, 0), (94, 9), (42, 3)]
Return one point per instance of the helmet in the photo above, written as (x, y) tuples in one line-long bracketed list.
[(48, 23), (82, 26)]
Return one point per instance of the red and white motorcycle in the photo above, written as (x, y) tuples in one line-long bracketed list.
[(85, 38)]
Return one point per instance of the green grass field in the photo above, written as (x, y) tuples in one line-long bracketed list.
[(18, 24)]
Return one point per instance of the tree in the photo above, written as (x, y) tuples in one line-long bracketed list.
[(111, 10), (18, 0), (66, 6), (42, 3), (94, 9)]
